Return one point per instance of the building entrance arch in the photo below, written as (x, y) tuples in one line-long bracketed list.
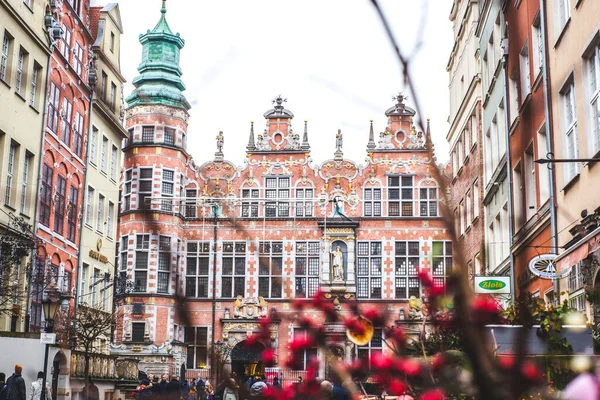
[(246, 360)]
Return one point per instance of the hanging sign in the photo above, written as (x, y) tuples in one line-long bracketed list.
[(492, 284), (544, 266)]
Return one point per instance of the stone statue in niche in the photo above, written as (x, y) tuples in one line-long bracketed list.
[(337, 251)]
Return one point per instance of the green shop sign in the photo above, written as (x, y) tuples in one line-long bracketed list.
[(492, 284)]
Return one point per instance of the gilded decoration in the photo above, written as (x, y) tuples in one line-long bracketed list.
[(250, 307)]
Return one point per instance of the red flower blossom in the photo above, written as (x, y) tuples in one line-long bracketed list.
[(300, 344), (409, 366), (437, 362), (397, 335), (396, 387), (531, 372), (506, 362), (268, 357), (485, 310), (355, 326), (381, 362), (435, 394), (374, 316), (425, 278), (305, 322)]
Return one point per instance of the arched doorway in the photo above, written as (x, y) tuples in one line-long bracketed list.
[(59, 367), (334, 355), (94, 392), (245, 359)]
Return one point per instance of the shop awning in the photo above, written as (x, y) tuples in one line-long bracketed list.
[(579, 250)]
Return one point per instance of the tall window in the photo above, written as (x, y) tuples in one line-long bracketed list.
[(88, 205), (406, 270), (6, 42), (570, 132), (233, 280), (19, 79), (441, 261), (400, 193), (190, 203), (525, 72), (196, 339), (59, 204), (428, 202), (518, 196), (93, 144), (53, 105), (72, 213), (307, 268), (127, 190), (513, 95), (65, 48), (113, 96), (109, 220), (593, 64), (77, 59), (103, 154), (164, 264), (277, 189), (249, 208), (78, 130), (65, 124), (197, 267), (123, 253), (369, 270), (103, 84), (304, 208), (372, 349), (140, 276), (138, 332), (530, 184), (372, 202), (269, 270), (170, 136), (475, 199), (564, 12), (145, 189), (147, 134), (94, 287), (113, 162), (83, 283), (308, 355), (468, 208), (100, 215), (25, 182), (168, 185), (575, 279), (34, 78), (11, 170), (112, 42), (537, 47)]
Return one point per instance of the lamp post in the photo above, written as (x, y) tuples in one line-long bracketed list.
[(50, 305)]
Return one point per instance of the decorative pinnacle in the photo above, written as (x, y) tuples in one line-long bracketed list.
[(371, 145), (251, 145), (305, 145), (164, 7)]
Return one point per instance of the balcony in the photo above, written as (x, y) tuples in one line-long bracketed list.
[(102, 367)]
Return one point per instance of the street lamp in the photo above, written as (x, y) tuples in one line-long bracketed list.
[(50, 305)]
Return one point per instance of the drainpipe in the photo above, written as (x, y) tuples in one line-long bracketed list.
[(555, 282), (513, 278), (213, 368)]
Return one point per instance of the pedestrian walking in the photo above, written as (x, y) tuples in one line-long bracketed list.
[(231, 390), (210, 393), (276, 383), (36, 388), (16, 385), (3, 387)]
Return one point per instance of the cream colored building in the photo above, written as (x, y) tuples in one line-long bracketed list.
[(574, 62), (99, 243), (25, 49)]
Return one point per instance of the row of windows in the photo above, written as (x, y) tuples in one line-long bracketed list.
[(68, 126), (400, 201), (72, 51), (407, 262), (18, 176), (26, 69), (107, 94), (59, 198), (109, 154), (103, 215), (148, 136)]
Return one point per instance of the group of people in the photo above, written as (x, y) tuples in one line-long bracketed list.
[(14, 388), (175, 389)]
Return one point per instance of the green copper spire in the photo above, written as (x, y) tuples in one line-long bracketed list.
[(159, 81)]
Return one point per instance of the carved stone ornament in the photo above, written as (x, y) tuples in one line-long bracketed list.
[(250, 307)]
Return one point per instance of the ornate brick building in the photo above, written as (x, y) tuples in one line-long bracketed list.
[(237, 242)]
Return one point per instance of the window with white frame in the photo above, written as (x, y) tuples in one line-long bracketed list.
[(593, 79), (124, 244), (569, 119), (372, 202), (513, 96), (147, 134), (88, 205), (441, 261), (304, 204), (25, 181), (113, 162), (468, 208), (11, 170), (307, 355), (307, 268), (109, 220), (277, 192), (518, 196), (65, 48), (491, 51), (233, 277), (34, 83), (83, 283), (78, 130), (53, 108), (6, 44), (407, 282), (525, 72), (72, 213), (537, 48), (461, 215), (197, 269), (140, 273), (94, 287), (488, 155), (269, 269), (563, 8), (100, 215), (374, 348), (170, 136), (196, 339), (475, 199), (78, 59), (127, 190), (145, 189), (65, 124), (167, 189), (428, 202), (400, 195), (250, 207), (486, 71), (543, 172), (104, 154), (164, 264), (368, 270), (575, 279), (112, 100), (190, 203), (530, 184), (59, 204), (19, 78), (578, 303), (93, 144)]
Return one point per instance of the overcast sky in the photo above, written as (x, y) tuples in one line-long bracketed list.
[(330, 58)]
